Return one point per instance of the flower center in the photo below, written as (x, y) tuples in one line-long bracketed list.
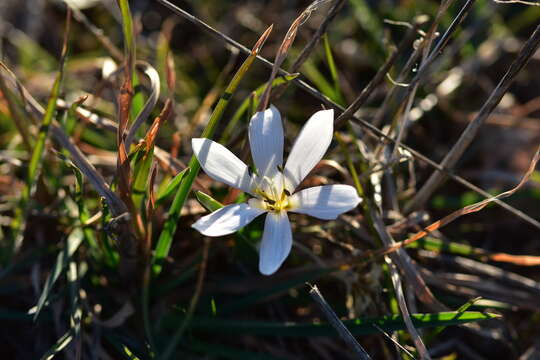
[(271, 196)]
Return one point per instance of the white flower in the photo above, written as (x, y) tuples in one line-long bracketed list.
[(273, 185)]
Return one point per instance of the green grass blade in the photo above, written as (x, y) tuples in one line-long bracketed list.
[(165, 239), (433, 244), (357, 326), (171, 186), (129, 41), (333, 68), (463, 308), (62, 260), (141, 172), (59, 346)]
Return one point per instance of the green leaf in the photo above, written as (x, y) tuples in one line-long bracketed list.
[(208, 202), (357, 327)]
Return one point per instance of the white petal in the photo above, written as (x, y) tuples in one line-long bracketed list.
[(226, 220), (221, 164), (276, 242), (309, 147), (325, 202), (266, 141)]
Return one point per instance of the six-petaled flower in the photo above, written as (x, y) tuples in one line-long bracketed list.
[(273, 185)]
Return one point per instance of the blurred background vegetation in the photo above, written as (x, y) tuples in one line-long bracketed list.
[(65, 288)]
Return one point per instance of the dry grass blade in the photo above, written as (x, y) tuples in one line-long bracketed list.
[(402, 260), (429, 38), (123, 166), (464, 211), (311, 45), (165, 114), (474, 285), (521, 260), (153, 76), (125, 99), (468, 135)]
